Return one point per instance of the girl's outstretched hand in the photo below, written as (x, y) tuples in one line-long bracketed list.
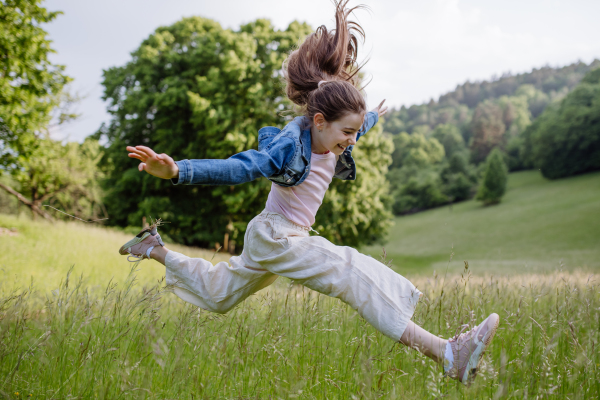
[(380, 109), (160, 165)]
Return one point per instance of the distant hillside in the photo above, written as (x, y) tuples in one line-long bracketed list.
[(457, 107), (540, 225), (439, 147)]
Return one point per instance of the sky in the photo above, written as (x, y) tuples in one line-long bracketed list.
[(417, 50)]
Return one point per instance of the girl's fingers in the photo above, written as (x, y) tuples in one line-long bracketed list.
[(135, 155), (381, 104), (142, 166), (133, 150), (146, 150)]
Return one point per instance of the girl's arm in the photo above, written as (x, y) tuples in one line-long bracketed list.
[(239, 168)]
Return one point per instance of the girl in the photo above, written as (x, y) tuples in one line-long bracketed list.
[(301, 160)]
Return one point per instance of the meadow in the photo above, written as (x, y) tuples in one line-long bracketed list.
[(540, 225), (77, 321)]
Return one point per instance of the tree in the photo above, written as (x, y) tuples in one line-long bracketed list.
[(417, 150), (515, 114), (495, 175), (457, 178), (30, 85), (565, 140), (63, 176), (196, 90), (449, 136), (488, 130)]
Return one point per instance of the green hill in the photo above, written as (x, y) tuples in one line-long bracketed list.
[(540, 225)]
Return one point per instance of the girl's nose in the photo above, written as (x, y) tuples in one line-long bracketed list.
[(352, 141)]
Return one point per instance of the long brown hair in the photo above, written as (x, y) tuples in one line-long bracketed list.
[(329, 56)]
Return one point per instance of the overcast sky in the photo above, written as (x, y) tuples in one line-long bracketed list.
[(418, 49)]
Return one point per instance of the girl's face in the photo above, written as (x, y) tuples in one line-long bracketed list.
[(335, 136)]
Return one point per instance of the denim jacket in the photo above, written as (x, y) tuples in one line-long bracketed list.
[(283, 157)]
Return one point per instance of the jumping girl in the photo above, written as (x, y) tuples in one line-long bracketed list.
[(301, 160)]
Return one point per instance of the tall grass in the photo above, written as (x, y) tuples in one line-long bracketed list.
[(138, 341), (45, 252)]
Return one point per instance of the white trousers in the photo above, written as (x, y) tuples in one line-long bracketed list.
[(276, 247)]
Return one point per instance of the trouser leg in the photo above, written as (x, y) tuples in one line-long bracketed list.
[(384, 298), (218, 287)]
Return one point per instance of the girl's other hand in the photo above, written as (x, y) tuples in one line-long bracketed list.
[(380, 109), (160, 165)]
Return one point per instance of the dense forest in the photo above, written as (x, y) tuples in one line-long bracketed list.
[(440, 146)]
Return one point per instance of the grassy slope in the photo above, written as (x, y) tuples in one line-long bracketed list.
[(539, 225), (45, 252)]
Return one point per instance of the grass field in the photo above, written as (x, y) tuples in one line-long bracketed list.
[(119, 333), (45, 252), (540, 225), (127, 341)]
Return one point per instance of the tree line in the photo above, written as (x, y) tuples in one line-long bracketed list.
[(440, 147)]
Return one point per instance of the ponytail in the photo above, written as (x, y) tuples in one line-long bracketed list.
[(322, 75)]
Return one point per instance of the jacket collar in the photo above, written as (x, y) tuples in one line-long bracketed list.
[(305, 138)]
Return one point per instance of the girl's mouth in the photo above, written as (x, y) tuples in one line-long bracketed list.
[(341, 147)]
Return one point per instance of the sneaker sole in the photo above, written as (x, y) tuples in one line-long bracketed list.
[(473, 364), (124, 249)]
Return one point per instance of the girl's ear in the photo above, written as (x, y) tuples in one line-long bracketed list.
[(319, 120)]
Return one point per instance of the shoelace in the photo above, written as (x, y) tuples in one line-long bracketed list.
[(135, 258), (460, 333), (455, 366)]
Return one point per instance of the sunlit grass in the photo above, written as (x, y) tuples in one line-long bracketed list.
[(136, 341), (45, 251)]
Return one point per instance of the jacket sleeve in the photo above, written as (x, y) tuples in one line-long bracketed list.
[(239, 168), (370, 120)]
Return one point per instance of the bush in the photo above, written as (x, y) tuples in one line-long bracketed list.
[(415, 189), (495, 175)]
